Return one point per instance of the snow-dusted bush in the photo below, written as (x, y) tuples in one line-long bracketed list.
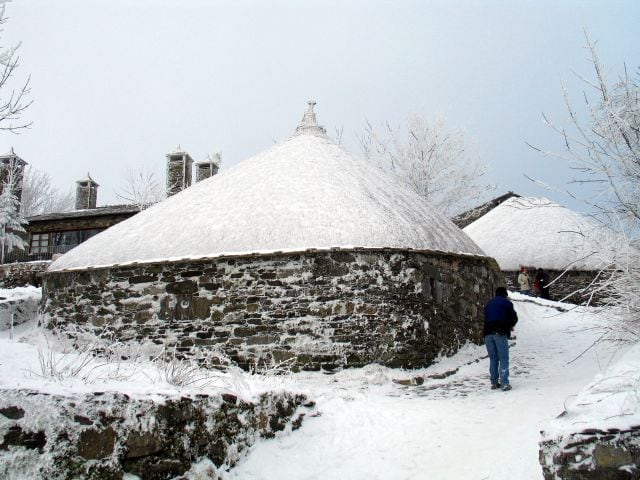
[(11, 219), (183, 372), (90, 360)]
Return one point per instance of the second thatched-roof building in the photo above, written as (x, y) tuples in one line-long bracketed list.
[(538, 233)]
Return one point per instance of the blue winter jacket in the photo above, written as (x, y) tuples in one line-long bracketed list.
[(499, 316)]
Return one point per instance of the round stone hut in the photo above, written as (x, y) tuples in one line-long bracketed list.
[(538, 233), (302, 254)]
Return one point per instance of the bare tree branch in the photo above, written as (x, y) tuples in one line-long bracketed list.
[(141, 188), (39, 196), (13, 102), (602, 144)]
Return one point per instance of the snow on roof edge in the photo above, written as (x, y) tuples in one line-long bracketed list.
[(263, 252)]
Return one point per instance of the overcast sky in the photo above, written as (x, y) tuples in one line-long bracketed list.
[(118, 84)]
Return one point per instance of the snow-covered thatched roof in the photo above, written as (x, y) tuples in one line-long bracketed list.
[(306, 192), (537, 232)]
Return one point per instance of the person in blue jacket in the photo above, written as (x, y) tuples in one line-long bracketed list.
[(499, 319)]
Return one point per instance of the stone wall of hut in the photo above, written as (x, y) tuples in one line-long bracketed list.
[(312, 310), (567, 286)]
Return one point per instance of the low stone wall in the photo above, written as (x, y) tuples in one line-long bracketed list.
[(313, 309), (22, 274), (566, 286), (592, 455), (20, 307), (101, 436)]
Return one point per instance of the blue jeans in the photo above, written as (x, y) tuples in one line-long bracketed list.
[(498, 349)]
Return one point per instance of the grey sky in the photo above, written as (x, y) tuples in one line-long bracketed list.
[(118, 84)]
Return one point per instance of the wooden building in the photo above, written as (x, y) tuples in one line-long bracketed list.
[(57, 233)]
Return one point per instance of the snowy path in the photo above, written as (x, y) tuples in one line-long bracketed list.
[(455, 428)]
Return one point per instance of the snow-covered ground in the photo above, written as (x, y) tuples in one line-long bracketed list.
[(367, 426)]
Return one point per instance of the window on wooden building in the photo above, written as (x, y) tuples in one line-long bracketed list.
[(39, 243)]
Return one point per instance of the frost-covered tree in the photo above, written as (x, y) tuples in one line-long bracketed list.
[(431, 159), (141, 188), (39, 196), (602, 144), (11, 219), (13, 102)]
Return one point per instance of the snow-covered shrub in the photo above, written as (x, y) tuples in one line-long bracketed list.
[(619, 285), (192, 372), (279, 368), (83, 356), (183, 372), (203, 470), (85, 363)]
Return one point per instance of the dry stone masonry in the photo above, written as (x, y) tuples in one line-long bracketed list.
[(312, 310), (19, 308), (100, 436), (14, 275), (86, 193), (592, 454), (179, 166)]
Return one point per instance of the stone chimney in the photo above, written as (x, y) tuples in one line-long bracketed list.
[(86, 193), (309, 124), (12, 172), (208, 168), (178, 171)]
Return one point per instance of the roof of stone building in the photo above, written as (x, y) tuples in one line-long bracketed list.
[(88, 179), (467, 218), (86, 212), (536, 232), (12, 154), (215, 159), (178, 151), (306, 192)]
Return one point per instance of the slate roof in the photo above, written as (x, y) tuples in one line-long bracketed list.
[(88, 212)]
